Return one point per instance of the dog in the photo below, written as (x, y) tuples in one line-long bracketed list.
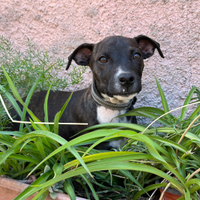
[(117, 65)]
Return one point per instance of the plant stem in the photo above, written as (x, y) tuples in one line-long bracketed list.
[(197, 171), (163, 192)]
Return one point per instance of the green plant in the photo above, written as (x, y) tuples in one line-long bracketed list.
[(161, 151), (24, 68), (179, 138), (28, 153), (76, 74), (197, 92)]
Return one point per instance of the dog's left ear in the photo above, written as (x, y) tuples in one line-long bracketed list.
[(147, 46), (81, 55)]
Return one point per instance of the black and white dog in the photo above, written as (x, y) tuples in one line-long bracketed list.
[(117, 64)]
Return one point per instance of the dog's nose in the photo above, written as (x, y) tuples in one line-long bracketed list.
[(126, 79)]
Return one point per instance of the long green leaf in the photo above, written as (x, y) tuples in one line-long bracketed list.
[(196, 112), (34, 126), (187, 194), (56, 123), (132, 135), (40, 147), (169, 143), (53, 136), (149, 188), (192, 182), (128, 175), (143, 113), (12, 133), (136, 127), (46, 118), (23, 158), (110, 165), (69, 189), (187, 101), (112, 155), (59, 115), (65, 105), (163, 99), (148, 142), (11, 100), (76, 141), (5, 155), (12, 87), (17, 96), (91, 187), (27, 101), (194, 187), (42, 195)]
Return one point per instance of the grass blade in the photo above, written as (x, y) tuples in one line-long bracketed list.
[(17, 96), (112, 165), (27, 101), (187, 101), (11, 100), (143, 112), (195, 113), (51, 135), (56, 123), (149, 188), (65, 105), (59, 115), (91, 187), (130, 176), (69, 189), (163, 99), (46, 118)]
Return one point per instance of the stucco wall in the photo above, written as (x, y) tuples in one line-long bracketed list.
[(59, 26)]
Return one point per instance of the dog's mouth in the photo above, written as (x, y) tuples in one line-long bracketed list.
[(119, 98)]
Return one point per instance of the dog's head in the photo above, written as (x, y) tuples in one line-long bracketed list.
[(117, 64)]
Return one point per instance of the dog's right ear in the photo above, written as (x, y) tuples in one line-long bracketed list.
[(81, 55)]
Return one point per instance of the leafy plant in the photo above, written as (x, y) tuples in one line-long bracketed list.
[(179, 140), (76, 74), (197, 92), (28, 153), (24, 68), (170, 152)]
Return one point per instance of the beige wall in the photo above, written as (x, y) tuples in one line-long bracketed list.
[(59, 26)]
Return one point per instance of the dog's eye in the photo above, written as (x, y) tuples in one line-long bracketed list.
[(136, 56), (103, 59)]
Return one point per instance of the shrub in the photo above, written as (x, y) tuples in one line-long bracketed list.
[(24, 68)]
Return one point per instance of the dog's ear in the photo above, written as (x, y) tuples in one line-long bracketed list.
[(147, 45), (81, 55)]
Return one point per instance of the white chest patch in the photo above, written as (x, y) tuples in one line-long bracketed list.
[(105, 115)]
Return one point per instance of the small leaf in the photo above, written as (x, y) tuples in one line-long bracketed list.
[(53, 195), (57, 168), (47, 168)]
